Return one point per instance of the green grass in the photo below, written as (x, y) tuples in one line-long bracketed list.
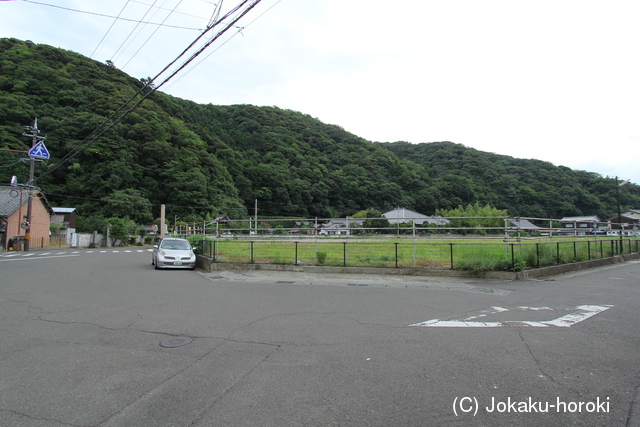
[(468, 253)]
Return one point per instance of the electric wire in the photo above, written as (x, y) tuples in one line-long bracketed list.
[(74, 152), (110, 16), (110, 28), (151, 88), (216, 13), (152, 34), (221, 45), (177, 13), (10, 163), (133, 30)]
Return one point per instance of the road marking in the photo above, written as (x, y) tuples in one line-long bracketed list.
[(66, 253), (29, 259), (576, 315)]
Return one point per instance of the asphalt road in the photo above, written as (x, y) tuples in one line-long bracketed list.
[(100, 338)]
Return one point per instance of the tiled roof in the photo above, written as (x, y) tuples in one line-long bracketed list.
[(63, 210), (10, 198)]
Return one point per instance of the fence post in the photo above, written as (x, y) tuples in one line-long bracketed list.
[(451, 254), (538, 254), (558, 253), (588, 250), (513, 259), (296, 262), (396, 245), (344, 254), (214, 250), (251, 251), (575, 251)]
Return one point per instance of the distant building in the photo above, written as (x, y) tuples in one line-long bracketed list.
[(13, 213), (403, 216), (338, 227), (580, 225), (67, 218), (627, 221), (524, 225)]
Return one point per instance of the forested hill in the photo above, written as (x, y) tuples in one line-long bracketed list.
[(201, 160)]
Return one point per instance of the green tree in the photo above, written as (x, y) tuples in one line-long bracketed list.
[(129, 203), (475, 218), (376, 222), (120, 230)]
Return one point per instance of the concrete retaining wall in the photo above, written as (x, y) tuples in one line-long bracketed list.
[(208, 265)]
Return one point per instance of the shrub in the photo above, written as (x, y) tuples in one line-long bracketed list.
[(508, 265), (322, 257), (475, 265)]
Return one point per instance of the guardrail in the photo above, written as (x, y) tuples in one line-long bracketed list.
[(389, 253)]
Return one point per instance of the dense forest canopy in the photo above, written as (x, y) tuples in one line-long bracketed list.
[(203, 160)]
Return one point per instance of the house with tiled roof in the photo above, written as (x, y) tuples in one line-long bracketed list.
[(580, 225), (404, 215), (13, 216)]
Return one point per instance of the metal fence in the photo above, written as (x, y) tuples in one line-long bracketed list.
[(462, 255)]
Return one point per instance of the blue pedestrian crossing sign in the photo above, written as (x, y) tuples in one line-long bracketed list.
[(39, 151)]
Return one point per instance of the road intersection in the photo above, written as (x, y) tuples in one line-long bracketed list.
[(95, 338)]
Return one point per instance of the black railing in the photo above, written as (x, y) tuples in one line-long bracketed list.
[(460, 255)]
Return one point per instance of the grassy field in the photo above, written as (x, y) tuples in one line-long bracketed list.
[(459, 253)]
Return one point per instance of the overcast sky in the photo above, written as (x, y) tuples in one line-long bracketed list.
[(555, 80)]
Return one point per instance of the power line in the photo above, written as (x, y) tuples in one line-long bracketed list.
[(222, 44), (177, 13), (133, 30), (150, 88), (110, 16), (109, 30), (152, 34)]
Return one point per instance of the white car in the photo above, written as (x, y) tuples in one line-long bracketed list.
[(173, 252)]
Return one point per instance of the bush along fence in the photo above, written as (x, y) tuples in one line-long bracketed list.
[(459, 255)]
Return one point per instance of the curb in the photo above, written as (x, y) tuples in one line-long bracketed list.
[(208, 265)]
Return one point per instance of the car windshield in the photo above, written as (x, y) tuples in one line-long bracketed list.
[(175, 244)]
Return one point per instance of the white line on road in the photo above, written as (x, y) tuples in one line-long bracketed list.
[(579, 314), (29, 259)]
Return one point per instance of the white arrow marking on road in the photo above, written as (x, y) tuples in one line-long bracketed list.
[(580, 313)]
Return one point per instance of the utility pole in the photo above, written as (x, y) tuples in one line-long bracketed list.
[(618, 185), (162, 221), (34, 133)]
